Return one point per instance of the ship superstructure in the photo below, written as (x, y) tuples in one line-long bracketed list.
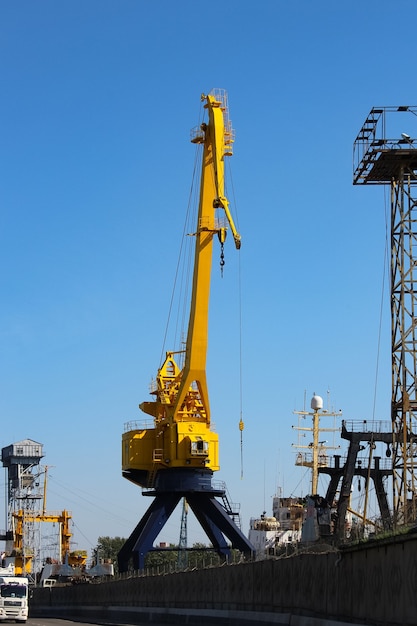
[(271, 535)]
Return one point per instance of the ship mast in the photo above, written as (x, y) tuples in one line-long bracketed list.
[(316, 456)]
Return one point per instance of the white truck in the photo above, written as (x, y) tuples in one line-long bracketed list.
[(14, 598)]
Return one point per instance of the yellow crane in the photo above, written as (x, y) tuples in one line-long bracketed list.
[(23, 554), (23, 558), (177, 456)]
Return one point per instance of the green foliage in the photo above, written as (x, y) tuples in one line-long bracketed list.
[(199, 556), (163, 560), (108, 548), (202, 556)]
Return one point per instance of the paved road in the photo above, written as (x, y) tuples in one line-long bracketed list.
[(40, 621), (51, 621)]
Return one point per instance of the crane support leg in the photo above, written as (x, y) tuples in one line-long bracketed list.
[(213, 533), (217, 517), (382, 500), (149, 527), (332, 488), (345, 490), (196, 488)]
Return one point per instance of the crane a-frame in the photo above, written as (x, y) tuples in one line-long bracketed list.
[(177, 456)]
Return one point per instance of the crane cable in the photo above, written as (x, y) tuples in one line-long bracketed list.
[(385, 265), (183, 262), (183, 267), (241, 423)]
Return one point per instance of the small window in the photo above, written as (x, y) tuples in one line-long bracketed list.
[(199, 447)]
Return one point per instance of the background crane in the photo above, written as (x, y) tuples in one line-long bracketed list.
[(383, 155), (183, 542)]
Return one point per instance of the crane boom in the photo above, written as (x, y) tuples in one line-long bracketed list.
[(216, 147)]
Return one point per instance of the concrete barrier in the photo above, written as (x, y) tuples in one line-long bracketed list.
[(374, 583)]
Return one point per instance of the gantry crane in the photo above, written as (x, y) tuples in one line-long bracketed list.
[(386, 156), (176, 457), (26, 509), (22, 518)]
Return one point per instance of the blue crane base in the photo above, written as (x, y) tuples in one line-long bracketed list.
[(170, 486)]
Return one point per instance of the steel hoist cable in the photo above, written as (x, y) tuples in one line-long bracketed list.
[(183, 267), (241, 422), (384, 272)]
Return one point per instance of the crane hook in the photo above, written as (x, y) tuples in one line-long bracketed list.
[(222, 261), (222, 233)]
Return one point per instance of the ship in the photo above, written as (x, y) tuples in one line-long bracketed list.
[(308, 518), (280, 532)]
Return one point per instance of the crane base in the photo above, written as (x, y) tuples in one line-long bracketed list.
[(194, 485)]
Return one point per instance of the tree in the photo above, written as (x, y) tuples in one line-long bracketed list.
[(164, 559), (108, 548), (199, 556)]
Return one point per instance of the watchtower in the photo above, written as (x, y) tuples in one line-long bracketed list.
[(385, 153), (23, 490)]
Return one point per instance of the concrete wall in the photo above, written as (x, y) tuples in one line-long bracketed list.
[(374, 584)]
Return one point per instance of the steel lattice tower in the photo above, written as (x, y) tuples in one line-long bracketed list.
[(386, 156), (24, 494), (182, 547)]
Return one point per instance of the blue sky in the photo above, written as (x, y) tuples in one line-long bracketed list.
[(98, 98)]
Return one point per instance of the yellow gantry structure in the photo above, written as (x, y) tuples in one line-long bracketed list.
[(23, 554), (181, 436)]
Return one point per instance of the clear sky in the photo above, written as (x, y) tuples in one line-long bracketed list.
[(98, 98)]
